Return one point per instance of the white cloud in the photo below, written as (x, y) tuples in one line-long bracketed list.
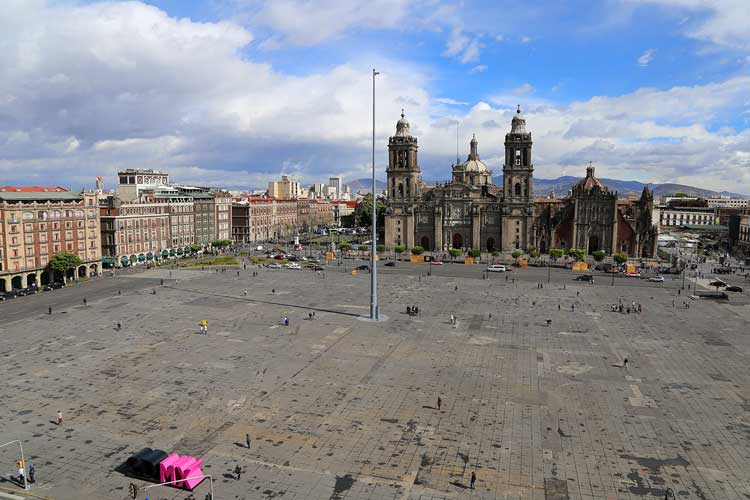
[(448, 100), (646, 57), (723, 22), (462, 47), (306, 22), (481, 68), (524, 89)]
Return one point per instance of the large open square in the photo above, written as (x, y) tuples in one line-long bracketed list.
[(341, 408)]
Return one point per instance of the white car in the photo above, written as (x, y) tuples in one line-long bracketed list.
[(496, 268), (657, 279), (293, 265), (273, 266)]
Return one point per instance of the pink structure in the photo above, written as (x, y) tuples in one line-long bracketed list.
[(181, 468)]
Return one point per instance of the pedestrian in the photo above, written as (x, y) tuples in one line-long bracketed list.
[(672, 302), (118, 327), (245, 293), (313, 314), (238, 274), (439, 403), (247, 440), (238, 471), (625, 363), (572, 307), (59, 417), (204, 327), (456, 288), (473, 479), (84, 302), (490, 315), (578, 294), (32, 472), (20, 472), (119, 292), (49, 311), (273, 291), (558, 307)]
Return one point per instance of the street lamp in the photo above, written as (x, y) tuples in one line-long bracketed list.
[(23, 461), (374, 313)]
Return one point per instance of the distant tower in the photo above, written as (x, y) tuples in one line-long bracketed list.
[(404, 185), (99, 189), (518, 171)]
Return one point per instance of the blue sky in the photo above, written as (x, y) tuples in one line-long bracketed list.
[(234, 92)]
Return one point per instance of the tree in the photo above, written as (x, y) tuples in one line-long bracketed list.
[(599, 255), (345, 246), (620, 258), (195, 247), (363, 212), (475, 252), (516, 254), (399, 249), (364, 248), (221, 243), (455, 252), (556, 253), (63, 261), (578, 253), (417, 250), (534, 252), (380, 248)]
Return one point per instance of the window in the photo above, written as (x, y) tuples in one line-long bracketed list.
[(28, 216)]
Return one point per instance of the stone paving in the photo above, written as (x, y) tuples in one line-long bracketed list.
[(340, 408)]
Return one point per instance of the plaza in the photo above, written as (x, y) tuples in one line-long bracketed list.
[(340, 408)]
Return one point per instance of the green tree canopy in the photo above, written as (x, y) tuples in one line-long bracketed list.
[(221, 243), (64, 261), (195, 247), (399, 249), (455, 252), (599, 255), (380, 248), (345, 246), (578, 253), (475, 252), (417, 250), (516, 254), (534, 252), (620, 258), (364, 248), (363, 212), (556, 253)]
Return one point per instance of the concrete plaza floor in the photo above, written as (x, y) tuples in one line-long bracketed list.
[(340, 408)]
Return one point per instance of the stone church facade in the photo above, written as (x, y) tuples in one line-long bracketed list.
[(471, 211)]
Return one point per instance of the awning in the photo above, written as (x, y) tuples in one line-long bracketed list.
[(172, 251), (124, 259), (141, 257), (164, 253), (179, 251), (150, 256), (133, 258), (108, 260)]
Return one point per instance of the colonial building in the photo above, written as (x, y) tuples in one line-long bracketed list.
[(263, 219), (593, 218), (135, 232), (38, 222), (470, 211)]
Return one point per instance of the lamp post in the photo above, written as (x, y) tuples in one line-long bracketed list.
[(374, 313), (23, 461)]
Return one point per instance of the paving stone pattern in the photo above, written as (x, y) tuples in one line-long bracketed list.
[(340, 408)]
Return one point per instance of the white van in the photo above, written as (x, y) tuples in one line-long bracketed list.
[(496, 268)]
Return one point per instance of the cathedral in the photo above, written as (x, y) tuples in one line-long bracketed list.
[(471, 211)]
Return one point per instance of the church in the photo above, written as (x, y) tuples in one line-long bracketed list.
[(471, 211)]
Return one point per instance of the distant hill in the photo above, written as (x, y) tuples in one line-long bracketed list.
[(364, 185), (562, 185)]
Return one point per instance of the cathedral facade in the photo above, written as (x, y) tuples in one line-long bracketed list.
[(471, 211), (468, 212)]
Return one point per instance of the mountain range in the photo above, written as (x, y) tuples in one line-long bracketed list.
[(561, 186)]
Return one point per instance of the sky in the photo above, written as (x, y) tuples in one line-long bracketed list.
[(234, 93)]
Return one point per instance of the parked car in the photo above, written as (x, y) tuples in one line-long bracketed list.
[(717, 283), (585, 277), (733, 288), (656, 279), (363, 267), (390, 264), (437, 262), (496, 268), (317, 268), (293, 265), (54, 286), (633, 275), (274, 266), (27, 291), (8, 295)]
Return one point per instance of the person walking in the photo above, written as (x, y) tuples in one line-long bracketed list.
[(85, 302), (473, 479), (32, 472), (204, 327), (59, 417), (238, 471), (247, 440), (439, 403), (625, 363)]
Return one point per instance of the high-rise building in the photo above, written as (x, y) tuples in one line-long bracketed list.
[(285, 189), (38, 222), (337, 185), (133, 183)]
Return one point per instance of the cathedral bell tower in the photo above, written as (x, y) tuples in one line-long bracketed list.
[(518, 172), (404, 185)]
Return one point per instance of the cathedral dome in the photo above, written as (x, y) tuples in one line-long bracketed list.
[(473, 163), (402, 126), (589, 182)]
